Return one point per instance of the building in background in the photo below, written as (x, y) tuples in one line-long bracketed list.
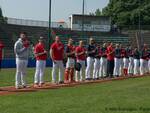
[(91, 23)]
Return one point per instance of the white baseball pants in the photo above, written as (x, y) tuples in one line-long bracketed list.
[(149, 65), (117, 66), (103, 67), (96, 68), (131, 65), (79, 74), (90, 63), (125, 63), (121, 67), (70, 62), (136, 66), (39, 73), (143, 66), (57, 65), (21, 67)]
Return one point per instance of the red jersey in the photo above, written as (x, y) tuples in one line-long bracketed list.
[(79, 50), (58, 51), (110, 53), (1, 48), (39, 48)]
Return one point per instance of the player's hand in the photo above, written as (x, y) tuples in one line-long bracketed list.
[(45, 52), (26, 44), (93, 51)]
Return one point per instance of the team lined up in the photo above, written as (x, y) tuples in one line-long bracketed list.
[(97, 62)]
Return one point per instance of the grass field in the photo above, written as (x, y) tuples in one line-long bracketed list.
[(125, 96)]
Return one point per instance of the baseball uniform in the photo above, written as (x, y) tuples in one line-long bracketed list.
[(103, 62), (40, 63), (110, 61), (136, 56), (96, 64), (80, 59), (117, 62), (69, 72), (144, 62), (1, 53), (21, 49), (125, 61), (131, 61), (149, 60), (58, 55), (90, 61)]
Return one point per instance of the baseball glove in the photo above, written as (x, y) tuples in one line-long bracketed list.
[(77, 66)]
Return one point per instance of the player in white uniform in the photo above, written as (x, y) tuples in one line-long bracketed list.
[(103, 61), (70, 52), (144, 60), (136, 56), (131, 61), (21, 49), (90, 59), (117, 61), (96, 64)]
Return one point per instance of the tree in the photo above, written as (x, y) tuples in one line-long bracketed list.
[(127, 12), (97, 13), (2, 19)]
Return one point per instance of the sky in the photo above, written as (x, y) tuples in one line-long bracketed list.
[(38, 9)]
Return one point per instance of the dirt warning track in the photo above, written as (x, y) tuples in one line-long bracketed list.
[(12, 90)]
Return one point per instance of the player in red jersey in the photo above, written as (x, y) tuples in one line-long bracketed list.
[(57, 56), (41, 56), (1, 54), (110, 60), (81, 57)]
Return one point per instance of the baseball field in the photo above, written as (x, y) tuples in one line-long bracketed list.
[(120, 96)]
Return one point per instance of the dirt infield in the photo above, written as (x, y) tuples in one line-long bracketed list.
[(12, 90)]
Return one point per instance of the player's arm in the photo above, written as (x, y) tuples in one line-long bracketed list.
[(39, 54), (2, 53), (18, 49), (51, 54)]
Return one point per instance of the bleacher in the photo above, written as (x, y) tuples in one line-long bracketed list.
[(9, 34)]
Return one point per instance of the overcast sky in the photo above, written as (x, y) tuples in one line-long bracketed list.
[(38, 9)]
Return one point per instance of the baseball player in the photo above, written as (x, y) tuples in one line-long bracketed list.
[(1, 54), (96, 63), (136, 56), (103, 61), (121, 60), (41, 56), (57, 56), (131, 61), (110, 60), (125, 61), (143, 60), (90, 58), (81, 57), (117, 61), (149, 60), (21, 49), (70, 52)]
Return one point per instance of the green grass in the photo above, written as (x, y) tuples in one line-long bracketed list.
[(126, 96), (7, 76)]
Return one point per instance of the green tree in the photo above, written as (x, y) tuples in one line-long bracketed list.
[(97, 13), (2, 19), (126, 12)]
